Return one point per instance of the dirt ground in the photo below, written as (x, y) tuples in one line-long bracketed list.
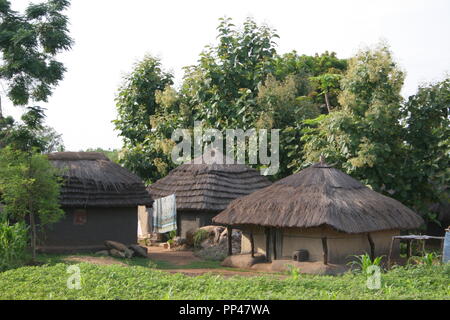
[(95, 260), (176, 258)]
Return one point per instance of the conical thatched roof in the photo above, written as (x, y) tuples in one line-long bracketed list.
[(91, 179), (320, 195), (207, 183)]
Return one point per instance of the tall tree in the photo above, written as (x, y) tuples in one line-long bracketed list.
[(29, 42), (364, 136), (31, 134), (29, 189), (223, 87), (427, 159), (136, 103)]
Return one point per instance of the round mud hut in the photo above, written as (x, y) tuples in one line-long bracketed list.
[(100, 200), (205, 186), (319, 214)]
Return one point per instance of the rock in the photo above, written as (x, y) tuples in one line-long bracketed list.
[(140, 251), (206, 243), (119, 247), (116, 245), (102, 253), (214, 232), (243, 260), (178, 241), (116, 253)]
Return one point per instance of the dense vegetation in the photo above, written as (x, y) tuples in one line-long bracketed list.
[(118, 282), (348, 110), (29, 186)]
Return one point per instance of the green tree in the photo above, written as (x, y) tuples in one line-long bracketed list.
[(29, 189), (29, 42), (136, 103), (427, 159), (223, 87), (281, 108), (30, 134), (112, 155), (364, 136), (318, 77), (240, 82)]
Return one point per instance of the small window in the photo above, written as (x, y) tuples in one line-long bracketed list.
[(79, 217)]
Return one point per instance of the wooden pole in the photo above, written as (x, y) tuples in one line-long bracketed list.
[(408, 249), (268, 244), (325, 250), (274, 244), (230, 245), (372, 246), (390, 253), (252, 244)]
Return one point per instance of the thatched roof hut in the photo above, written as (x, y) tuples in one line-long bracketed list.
[(92, 180), (100, 199), (320, 195), (206, 185), (320, 198)]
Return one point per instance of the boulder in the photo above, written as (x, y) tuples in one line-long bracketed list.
[(116, 253), (178, 241), (139, 251), (119, 247), (214, 232), (243, 261), (115, 245)]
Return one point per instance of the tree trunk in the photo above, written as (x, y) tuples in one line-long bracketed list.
[(327, 102), (33, 237)]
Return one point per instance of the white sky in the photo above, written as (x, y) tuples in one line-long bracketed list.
[(110, 35)]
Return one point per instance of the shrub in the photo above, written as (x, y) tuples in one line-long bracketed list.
[(13, 244), (363, 262), (199, 237), (428, 259)]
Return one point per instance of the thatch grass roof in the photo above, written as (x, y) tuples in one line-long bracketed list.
[(320, 195), (207, 184), (92, 180)]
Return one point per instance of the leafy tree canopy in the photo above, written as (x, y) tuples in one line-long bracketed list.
[(31, 134), (29, 189), (29, 42)]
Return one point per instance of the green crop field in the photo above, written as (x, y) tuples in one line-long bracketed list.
[(140, 282)]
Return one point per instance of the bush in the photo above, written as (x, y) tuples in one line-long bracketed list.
[(13, 245), (363, 262), (199, 237)]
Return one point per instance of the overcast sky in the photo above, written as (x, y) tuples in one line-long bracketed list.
[(110, 35)]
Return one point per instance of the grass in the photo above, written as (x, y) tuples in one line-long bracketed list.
[(141, 282)]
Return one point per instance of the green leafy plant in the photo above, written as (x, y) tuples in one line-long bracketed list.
[(363, 262), (293, 271), (13, 244), (172, 234), (428, 259), (199, 237)]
